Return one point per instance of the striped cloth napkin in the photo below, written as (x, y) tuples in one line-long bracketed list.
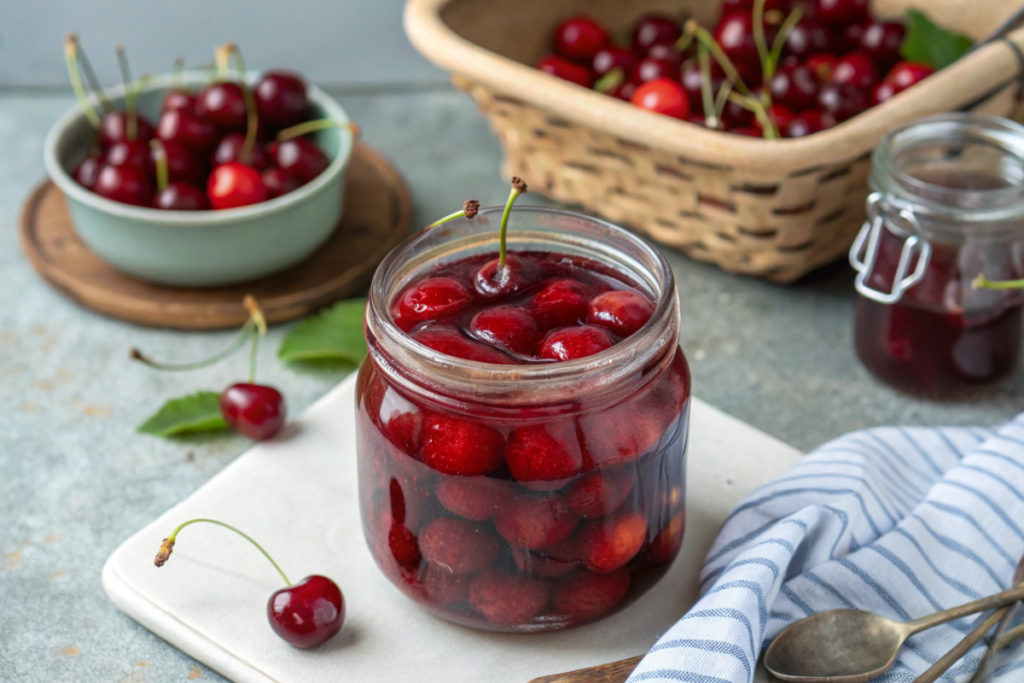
[(902, 522)]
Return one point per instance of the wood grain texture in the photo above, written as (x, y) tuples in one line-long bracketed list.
[(613, 672), (376, 218)]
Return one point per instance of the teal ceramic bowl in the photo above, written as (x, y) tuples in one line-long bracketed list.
[(201, 248)]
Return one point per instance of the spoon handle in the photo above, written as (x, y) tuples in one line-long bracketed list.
[(961, 648), (985, 604)]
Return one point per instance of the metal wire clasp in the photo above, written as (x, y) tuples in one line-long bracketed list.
[(864, 253)]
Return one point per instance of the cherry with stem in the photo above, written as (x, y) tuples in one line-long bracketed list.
[(304, 615), (176, 196), (470, 208), (71, 60)]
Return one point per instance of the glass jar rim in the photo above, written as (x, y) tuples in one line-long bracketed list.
[(464, 379), (904, 190)]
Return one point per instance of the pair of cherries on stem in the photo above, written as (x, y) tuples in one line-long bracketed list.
[(253, 410), (304, 615)]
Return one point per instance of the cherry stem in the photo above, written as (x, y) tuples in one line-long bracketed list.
[(610, 80), (176, 82), (251, 115), (721, 98), (754, 105), (781, 37), (71, 59), (168, 545), (686, 39), (706, 98), (162, 175), (760, 41), (518, 188), (470, 208), (129, 99), (707, 40), (311, 127), (94, 82), (981, 282), (256, 316), (247, 330)]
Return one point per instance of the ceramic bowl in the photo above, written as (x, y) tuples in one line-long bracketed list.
[(201, 248)]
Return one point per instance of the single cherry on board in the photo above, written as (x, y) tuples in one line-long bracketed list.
[(233, 185), (304, 615), (255, 411)]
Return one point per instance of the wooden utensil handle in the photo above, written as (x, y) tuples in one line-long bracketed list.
[(613, 672)]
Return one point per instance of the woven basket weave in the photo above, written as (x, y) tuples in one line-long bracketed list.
[(773, 209)]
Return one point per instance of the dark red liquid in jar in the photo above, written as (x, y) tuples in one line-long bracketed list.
[(524, 519), (941, 339)]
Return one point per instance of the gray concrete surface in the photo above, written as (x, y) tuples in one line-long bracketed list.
[(76, 480)]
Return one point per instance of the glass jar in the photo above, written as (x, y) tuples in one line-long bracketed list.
[(532, 555), (947, 206)]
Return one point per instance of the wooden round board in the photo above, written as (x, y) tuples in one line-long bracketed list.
[(376, 218)]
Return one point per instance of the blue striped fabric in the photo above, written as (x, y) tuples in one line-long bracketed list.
[(898, 521)]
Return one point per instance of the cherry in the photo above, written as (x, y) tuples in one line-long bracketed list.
[(223, 104), (654, 29), (613, 57), (822, 64), (230, 147), (506, 274), (692, 78), (807, 37), (134, 153), (570, 343), (794, 86), (841, 101), (509, 327), (430, 299), (179, 196), (666, 52), (125, 184), (184, 127), (114, 128), (780, 115), (300, 157), (232, 185), (735, 33), (181, 165), (805, 123), (88, 170), (599, 493), (449, 342), (736, 116), (580, 38), (855, 69), (882, 92), (561, 304), (279, 182), (846, 37), (623, 91), (906, 74), (459, 546), (177, 98), (281, 98), (535, 521), (663, 96), (622, 311), (649, 69), (304, 615), (748, 131), (460, 447), (881, 42), (604, 545), (544, 452), (566, 70), (255, 411), (840, 11)]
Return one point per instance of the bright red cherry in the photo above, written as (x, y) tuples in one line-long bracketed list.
[(230, 147), (449, 342), (805, 123), (125, 184), (654, 29), (580, 38), (308, 613), (88, 169), (780, 115), (566, 70), (279, 182), (281, 98), (841, 101), (222, 104), (840, 11), (429, 299), (176, 98), (822, 64), (906, 74), (233, 185), (807, 37), (735, 33), (492, 281), (613, 57), (561, 304), (185, 128), (134, 153), (569, 343), (178, 196), (855, 69), (181, 165), (663, 96), (300, 157), (649, 69), (253, 410), (622, 311), (508, 327), (794, 86), (114, 128), (882, 41)]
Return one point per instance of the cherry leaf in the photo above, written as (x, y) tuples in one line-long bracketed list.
[(199, 412), (333, 334), (929, 43)]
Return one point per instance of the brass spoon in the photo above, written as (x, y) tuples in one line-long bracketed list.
[(853, 646), (1001, 637)]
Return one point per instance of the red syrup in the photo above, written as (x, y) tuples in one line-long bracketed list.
[(524, 519)]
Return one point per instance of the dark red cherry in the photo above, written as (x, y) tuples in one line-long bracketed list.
[(882, 92), (613, 58), (840, 11), (580, 38), (805, 123), (185, 128), (230, 147), (279, 182), (855, 69), (182, 166), (906, 74), (232, 185), (807, 37), (508, 327), (114, 128), (794, 86), (841, 101), (253, 410), (736, 116), (663, 96), (735, 33), (648, 69), (281, 98), (222, 104), (654, 29), (566, 70), (692, 80), (125, 184), (492, 281), (87, 170), (178, 196), (569, 343), (666, 52), (822, 64), (747, 131), (300, 157), (623, 91), (134, 153), (430, 299), (176, 98), (881, 42), (846, 37), (780, 115), (308, 613)]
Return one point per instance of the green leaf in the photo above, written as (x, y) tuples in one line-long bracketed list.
[(199, 412), (929, 43), (334, 334)]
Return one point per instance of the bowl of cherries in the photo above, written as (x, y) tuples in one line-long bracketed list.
[(200, 178)]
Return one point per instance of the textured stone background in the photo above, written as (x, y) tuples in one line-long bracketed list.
[(76, 480)]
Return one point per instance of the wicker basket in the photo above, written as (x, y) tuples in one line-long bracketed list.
[(773, 209)]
